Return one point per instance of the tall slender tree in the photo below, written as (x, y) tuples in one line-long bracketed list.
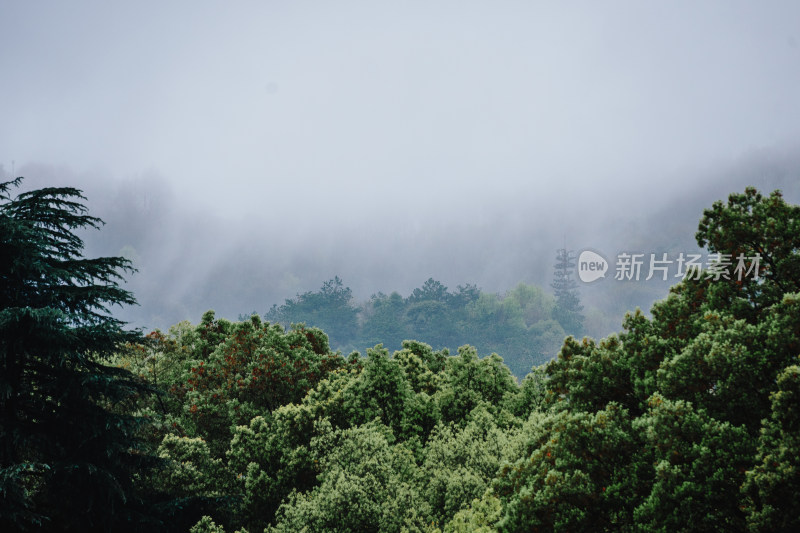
[(69, 453), (568, 306)]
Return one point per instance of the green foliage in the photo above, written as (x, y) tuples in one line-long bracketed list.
[(460, 462), (532, 394), (699, 467), (190, 469), (381, 391), (365, 484), (291, 460), (222, 374), (576, 473), (472, 382), (270, 458), (70, 450), (223, 383), (206, 525), (587, 376), (751, 224), (478, 518), (772, 485), (331, 309)]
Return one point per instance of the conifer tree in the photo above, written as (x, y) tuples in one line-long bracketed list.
[(68, 450), (568, 306)]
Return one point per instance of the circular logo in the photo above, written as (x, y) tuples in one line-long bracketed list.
[(591, 266)]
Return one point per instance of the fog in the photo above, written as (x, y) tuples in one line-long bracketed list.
[(244, 152)]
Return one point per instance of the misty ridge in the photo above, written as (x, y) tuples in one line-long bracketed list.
[(455, 142), (190, 260)]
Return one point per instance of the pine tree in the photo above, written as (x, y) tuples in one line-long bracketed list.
[(568, 305), (68, 450)]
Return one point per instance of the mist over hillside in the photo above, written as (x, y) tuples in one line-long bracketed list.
[(462, 142), (191, 260)]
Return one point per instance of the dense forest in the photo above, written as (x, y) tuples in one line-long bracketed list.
[(686, 420)]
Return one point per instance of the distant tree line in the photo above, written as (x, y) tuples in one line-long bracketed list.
[(521, 324)]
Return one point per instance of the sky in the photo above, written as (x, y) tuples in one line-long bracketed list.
[(394, 119), (239, 102)]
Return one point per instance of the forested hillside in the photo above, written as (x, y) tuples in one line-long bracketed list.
[(687, 420)]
